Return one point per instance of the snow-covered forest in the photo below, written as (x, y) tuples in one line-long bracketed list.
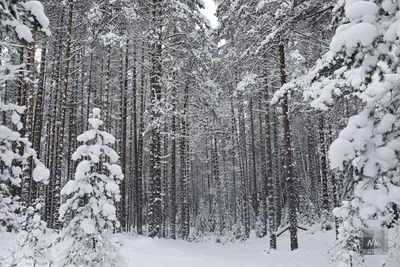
[(137, 126)]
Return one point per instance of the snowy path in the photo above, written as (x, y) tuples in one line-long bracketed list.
[(145, 252), (167, 253)]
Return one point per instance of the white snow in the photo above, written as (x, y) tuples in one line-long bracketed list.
[(248, 80), (37, 10), (15, 118), (146, 252), (40, 173), (88, 226), (69, 188), (361, 9), (109, 211), (112, 187), (341, 150), (363, 33), (24, 33)]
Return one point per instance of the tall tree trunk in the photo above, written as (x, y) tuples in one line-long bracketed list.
[(154, 213), (72, 124), (27, 120), (165, 183), (38, 122), (217, 184), (244, 167), (61, 133), (334, 183), (124, 141), (270, 175), (263, 166), (139, 180), (233, 140), (324, 175), (254, 198), (173, 169), (277, 162), (313, 168), (90, 94), (184, 142), (134, 133), (290, 180), (107, 91)]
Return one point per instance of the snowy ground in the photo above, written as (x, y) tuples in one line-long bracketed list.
[(145, 252)]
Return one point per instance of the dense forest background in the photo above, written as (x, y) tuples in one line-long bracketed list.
[(221, 132)]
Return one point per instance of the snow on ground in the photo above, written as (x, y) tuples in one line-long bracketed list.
[(146, 252)]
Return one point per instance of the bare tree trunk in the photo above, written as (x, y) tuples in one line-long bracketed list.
[(217, 184), (185, 227), (254, 198), (165, 181), (27, 120), (173, 169), (244, 168), (72, 124), (61, 133), (233, 140), (107, 92), (334, 187), (134, 133), (38, 121), (124, 141), (324, 175), (154, 192), (291, 186), (139, 181), (264, 175), (270, 175), (313, 172)]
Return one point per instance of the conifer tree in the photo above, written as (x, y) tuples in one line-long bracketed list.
[(15, 150), (89, 213), (365, 54), (32, 246)]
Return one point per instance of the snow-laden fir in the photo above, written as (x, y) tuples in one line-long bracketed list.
[(89, 212)]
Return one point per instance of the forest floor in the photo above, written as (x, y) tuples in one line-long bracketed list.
[(146, 252)]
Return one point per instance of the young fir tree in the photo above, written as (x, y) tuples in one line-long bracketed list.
[(89, 214), (32, 246)]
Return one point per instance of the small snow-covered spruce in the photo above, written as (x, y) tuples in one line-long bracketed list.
[(347, 249), (367, 47), (90, 203), (32, 246)]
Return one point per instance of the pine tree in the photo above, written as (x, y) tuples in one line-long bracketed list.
[(89, 213)]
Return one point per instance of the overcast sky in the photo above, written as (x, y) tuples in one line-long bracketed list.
[(209, 12)]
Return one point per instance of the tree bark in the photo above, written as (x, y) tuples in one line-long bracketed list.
[(154, 213), (270, 178), (290, 180)]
